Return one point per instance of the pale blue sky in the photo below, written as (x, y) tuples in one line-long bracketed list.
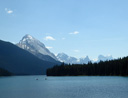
[(75, 27)]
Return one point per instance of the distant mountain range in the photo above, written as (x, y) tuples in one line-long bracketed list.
[(31, 57), (72, 60), (38, 49), (21, 62)]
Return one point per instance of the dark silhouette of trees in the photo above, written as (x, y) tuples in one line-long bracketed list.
[(4, 72), (117, 67)]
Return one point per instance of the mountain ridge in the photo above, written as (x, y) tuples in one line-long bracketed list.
[(37, 48), (72, 60), (20, 62)]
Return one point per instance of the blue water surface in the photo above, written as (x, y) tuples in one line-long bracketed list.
[(64, 87)]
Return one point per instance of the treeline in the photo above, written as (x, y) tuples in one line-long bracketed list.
[(118, 67), (4, 72)]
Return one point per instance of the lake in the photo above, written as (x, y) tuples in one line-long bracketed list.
[(64, 87)]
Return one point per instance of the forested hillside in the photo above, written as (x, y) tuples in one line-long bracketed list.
[(4, 72), (118, 67)]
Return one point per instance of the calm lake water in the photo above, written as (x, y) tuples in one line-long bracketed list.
[(63, 87)]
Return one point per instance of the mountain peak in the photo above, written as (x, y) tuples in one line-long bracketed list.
[(72, 60), (27, 37), (104, 58), (85, 57), (36, 47), (62, 54)]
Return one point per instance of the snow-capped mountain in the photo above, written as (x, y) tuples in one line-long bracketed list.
[(84, 60), (72, 60), (66, 59), (104, 58), (37, 48)]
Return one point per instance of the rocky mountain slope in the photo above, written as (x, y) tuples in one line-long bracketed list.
[(37, 48)]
